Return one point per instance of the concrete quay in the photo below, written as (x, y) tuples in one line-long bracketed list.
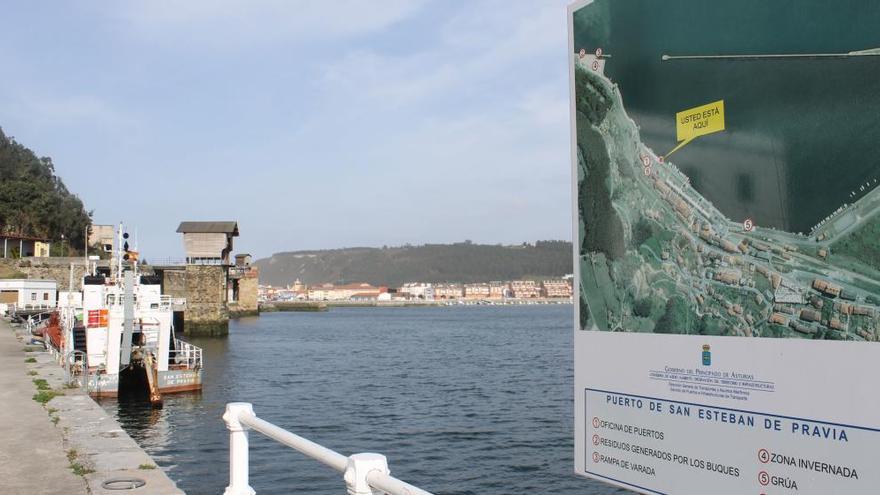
[(69, 445)]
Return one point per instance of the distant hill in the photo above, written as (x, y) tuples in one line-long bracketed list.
[(392, 266)]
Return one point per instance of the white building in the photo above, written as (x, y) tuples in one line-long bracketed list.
[(27, 293), (418, 291)]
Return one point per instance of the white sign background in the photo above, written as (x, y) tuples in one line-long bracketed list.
[(767, 416)]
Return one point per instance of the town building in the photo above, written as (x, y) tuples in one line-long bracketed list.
[(556, 288), (417, 290), (330, 292), (525, 289), (476, 291), (448, 291), (499, 290)]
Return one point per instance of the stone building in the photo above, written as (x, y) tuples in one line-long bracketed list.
[(102, 237), (243, 287), (214, 288)]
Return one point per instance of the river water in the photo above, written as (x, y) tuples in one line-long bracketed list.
[(462, 400)]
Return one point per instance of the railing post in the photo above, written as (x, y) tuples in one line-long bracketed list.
[(359, 466), (238, 449)]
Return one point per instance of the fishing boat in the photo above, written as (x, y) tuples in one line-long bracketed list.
[(120, 340)]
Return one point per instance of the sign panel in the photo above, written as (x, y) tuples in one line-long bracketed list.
[(97, 318), (728, 304)]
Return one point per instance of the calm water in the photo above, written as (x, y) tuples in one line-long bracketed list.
[(462, 400), (801, 134)]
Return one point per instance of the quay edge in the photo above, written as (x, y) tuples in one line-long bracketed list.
[(90, 437)]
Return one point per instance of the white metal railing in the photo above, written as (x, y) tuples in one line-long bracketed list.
[(168, 262), (364, 474), (186, 353), (168, 301), (13, 308)]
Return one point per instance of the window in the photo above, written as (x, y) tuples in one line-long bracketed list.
[(45, 296), (33, 296)]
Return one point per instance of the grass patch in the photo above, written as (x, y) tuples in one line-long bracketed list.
[(44, 396), (53, 416), (80, 470), (147, 466), (29, 349), (30, 360), (42, 384), (77, 468)]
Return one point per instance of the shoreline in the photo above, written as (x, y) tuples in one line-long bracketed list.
[(318, 306), (95, 446)]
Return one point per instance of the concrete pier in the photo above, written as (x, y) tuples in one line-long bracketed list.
[(69, 445)]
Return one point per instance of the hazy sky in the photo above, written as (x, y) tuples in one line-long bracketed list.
[(313, 123)]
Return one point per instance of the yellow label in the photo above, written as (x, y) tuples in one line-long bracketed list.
[(699, 121)]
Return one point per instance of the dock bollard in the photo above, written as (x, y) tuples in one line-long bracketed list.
[(239, 483)]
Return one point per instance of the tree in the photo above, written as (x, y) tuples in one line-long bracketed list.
[(33, 200)]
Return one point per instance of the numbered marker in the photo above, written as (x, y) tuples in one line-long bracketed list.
[(748, 225), (598, 52), (646, 161), (595, 65), (764, 456), (582, 53), (764, 478), (648, 171)]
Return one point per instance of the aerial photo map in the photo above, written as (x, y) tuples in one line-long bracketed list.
[(728, 157)]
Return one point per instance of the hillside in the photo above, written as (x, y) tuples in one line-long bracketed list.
[(461, 262), (33, 200)]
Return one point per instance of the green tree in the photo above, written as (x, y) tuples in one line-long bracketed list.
[(34, 201)]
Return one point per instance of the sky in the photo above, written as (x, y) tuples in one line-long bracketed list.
[(314, 124)]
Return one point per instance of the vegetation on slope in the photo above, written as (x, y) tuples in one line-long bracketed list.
[(33, 200), (392, 266)]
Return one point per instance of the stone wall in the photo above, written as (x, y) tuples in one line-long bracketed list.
[(247, 304), (57, 269), (174, 282), (206, 310)]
